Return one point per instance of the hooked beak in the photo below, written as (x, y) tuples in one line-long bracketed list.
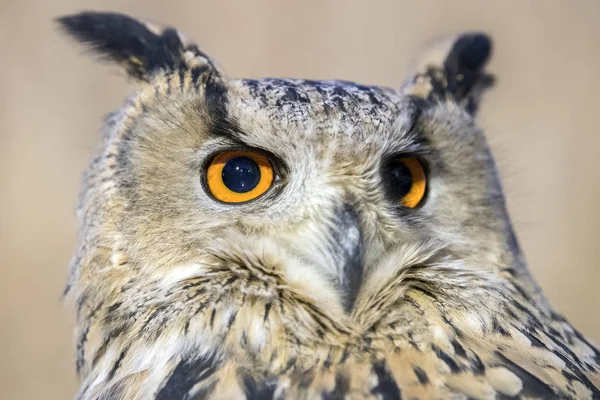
[(347, 246)]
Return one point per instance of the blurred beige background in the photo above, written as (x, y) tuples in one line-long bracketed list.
[(542, 120)]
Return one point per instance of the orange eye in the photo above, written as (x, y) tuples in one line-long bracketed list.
[(239, 176), (407, 181)]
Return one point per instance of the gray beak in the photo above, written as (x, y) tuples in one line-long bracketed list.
[(347, 245)]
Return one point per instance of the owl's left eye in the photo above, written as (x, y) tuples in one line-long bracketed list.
[(406, 181), (239, 176)]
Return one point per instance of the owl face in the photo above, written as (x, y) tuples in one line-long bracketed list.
[(324, 180)]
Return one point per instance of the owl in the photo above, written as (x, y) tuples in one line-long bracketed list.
[(301, 239)]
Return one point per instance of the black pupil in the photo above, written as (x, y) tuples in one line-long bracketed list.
[(241, 174), (400, 179)]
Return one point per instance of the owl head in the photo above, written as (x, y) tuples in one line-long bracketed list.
[(319, 193), (324, 181)]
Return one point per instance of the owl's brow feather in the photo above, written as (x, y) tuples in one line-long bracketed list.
[(223, 127), (173, 120)]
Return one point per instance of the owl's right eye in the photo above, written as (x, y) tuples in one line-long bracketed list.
[(239, 176)]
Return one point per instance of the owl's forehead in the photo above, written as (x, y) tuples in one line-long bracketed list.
[(327, 103)]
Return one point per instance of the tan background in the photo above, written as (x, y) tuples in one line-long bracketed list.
[(542, 120)]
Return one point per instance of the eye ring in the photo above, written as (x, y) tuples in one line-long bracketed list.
[(239, 176), (406, 181), (419, 183)]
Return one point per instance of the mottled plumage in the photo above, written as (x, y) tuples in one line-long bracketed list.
[(324, 286)]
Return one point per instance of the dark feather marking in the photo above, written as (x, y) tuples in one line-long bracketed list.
[(181, 74), (212, 318), (589, 344), (386, 385), (458, 349), (215, 98), (231, 320), (267, 311), (112, 308), (117, 363), (291, 362), (197, 73), (532, 385), (521, 307), (576, 370), (194, 314), (345, 355), (554, 334), (216, 102), (186, 375), (415, 305), (273, 357), (339, 392), (80, 347), (568, 375), (511, 314), (522, 292), (99, 353), (230, 280), (456, 331), (199, 292), (535, 342), (502, 396), (496, 327), (421, 375), (423, 290), (446, 358), (261, 390), (169, 86), (477, 365), (558, 341), (153, 315), (318, 315), (114, 333)]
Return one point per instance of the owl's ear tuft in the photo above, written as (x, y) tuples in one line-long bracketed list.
[(140, 47), (453, 68)]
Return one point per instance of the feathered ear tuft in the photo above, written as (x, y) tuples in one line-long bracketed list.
[(453, 68), (142, 48)]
